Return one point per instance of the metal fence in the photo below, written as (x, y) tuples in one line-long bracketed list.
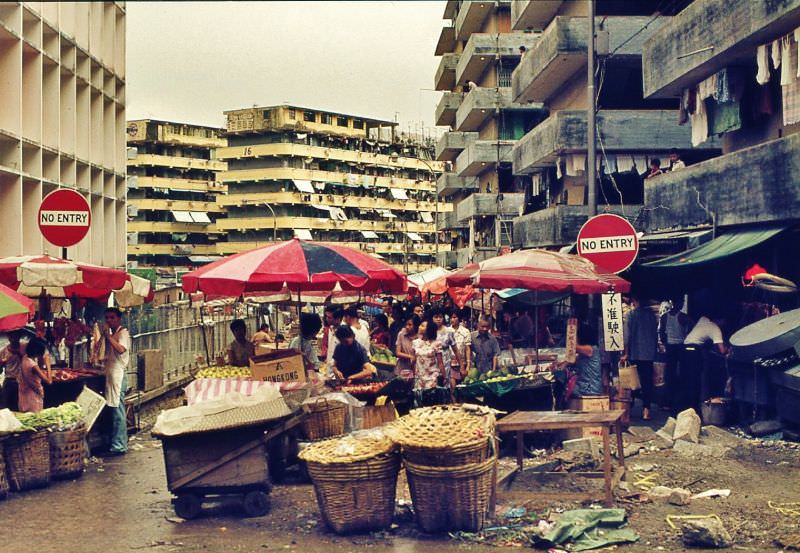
[(177, 330)]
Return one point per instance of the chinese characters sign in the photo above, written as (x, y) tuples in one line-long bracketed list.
[(612, 322)]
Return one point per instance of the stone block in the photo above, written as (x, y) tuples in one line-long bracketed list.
[(664, 439), (679, 496), (706, 533), (641, 434), (691, 449), (687, 426), (764, 428), (669, 426), (659, 492), (587, 445)]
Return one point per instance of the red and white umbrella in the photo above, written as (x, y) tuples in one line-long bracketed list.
[(296, 266), (15, 309), (35, 275), (540, 270)]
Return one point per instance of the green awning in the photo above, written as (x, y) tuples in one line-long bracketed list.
[(719, 248)]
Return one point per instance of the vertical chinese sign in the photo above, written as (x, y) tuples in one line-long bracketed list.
[(612, 322)]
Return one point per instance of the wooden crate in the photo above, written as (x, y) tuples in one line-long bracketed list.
[(151, 369), (588, 404), (377, 415)]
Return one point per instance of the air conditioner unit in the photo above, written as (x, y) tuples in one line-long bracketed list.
[(133, 181), (133, 211), (132, 152), (133, 238)]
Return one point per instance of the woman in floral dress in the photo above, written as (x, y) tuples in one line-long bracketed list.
[(428, 365)]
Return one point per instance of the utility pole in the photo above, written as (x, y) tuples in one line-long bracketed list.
[(591, 117)]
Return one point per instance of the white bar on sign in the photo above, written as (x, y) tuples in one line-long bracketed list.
[(64, 218), (608, 244)]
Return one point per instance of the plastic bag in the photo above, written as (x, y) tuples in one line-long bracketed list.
[(8, 422), (355, 409)]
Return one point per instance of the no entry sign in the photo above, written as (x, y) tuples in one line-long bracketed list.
[(608, 241), (64, 217)]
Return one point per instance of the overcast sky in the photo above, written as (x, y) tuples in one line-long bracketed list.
[(190, 61)]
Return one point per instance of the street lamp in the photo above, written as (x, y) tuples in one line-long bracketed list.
[(274, 223)]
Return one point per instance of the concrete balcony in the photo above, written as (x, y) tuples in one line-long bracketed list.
[(447, 107), (482, 49), (759, 184), (445, 78), (479, 105), (446, 42), (481, 155), (449, 221), (471, 15), (452, 143), (621, 131), (717, 34), (489, 205), (533, 14), (558, 225), (561, 50), (450, 183), (448, 260)]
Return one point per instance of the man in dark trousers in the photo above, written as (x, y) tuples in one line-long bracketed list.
[(641, 343)]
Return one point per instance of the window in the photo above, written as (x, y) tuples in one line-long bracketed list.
[(504, 76), (327, 119), (358, 124), (309, 117), (341, 121), (291, 115)]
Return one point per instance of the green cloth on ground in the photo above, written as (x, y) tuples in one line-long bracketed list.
[(589, 529)]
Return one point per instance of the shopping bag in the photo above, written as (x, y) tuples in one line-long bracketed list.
[(628, 376), (659, 367)]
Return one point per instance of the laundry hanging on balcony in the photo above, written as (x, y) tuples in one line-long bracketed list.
[(426, 216), (398, 193), (303, 234), (304, 186), (415, 237), (369, 234)]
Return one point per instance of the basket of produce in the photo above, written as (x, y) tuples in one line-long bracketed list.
[(451, 498), (224, 371), (324, 419), (383, 358), (445, 435), (355, 480), (27, 456)]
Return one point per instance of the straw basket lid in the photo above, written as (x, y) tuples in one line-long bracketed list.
[(443, 426), (348, 449)]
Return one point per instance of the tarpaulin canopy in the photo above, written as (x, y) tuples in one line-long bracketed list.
[(15, 309), (721, 247)]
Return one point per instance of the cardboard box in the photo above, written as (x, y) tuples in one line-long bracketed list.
[(92, 404), (589, 404), (285, 365), (150, 365)]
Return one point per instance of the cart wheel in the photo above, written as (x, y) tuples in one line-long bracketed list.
[(187, 506), (256, 504)]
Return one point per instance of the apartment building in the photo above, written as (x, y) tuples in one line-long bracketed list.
[(172, 191), (733, 45), (319, 175), (62, 122), (479, 50), (632, 130)]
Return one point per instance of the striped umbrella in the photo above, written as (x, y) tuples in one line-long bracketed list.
[(540, 270), (297, 266), (15, 309)]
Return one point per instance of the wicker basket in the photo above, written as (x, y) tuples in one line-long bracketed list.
[(455, 456), (3, 479), (27, 460), (451, 498), (67, 452), (357, 496), (324, 419)]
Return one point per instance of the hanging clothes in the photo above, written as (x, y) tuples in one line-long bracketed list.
[(762, 61), (723, 116), (707, 88), (787, 67), (683, 111), (790, 93), (559, 174), (624, 163), (797, 39), (578, 164), (699, 121), (775, 51), (723, 91)]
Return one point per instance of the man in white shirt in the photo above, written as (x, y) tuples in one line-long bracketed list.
[(463, 339), (118, 353), (693, 362), (704, 332), (359, 326)]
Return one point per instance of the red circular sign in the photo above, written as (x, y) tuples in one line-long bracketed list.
[(608, 241), (64, 217)]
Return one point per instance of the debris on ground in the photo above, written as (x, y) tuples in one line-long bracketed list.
[(687, 426), (585, 529), (765, 428), (708, 532), (712, 493)]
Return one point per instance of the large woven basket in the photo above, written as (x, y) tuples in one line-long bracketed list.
[(27, 460), (355, 481), (451, 498), (3, 479), (67, 452), (324, 419)]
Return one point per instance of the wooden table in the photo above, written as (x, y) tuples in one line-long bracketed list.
[(522, 422)]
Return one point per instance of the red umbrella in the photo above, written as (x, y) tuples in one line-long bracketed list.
[(15, 309), (296, 265), (59, 278), (540, 270)]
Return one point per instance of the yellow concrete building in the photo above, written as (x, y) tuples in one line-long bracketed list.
[(479, 52), (172, 192), (329, 177), (62, 122)]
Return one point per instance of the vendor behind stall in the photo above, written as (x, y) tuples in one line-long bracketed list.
[(587, 365), (240, 349), (118, 353), (485, 347), (350, 359), (310, 325)]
